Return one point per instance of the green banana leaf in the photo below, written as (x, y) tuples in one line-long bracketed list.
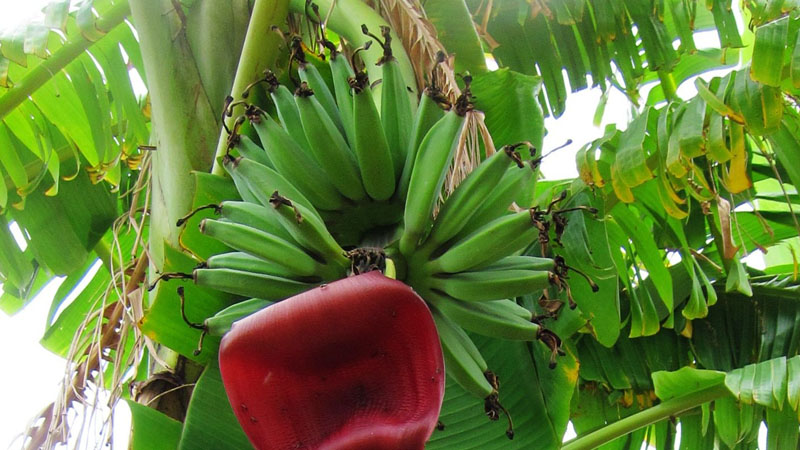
[(152, 430), (536, 396), (65, 116), (210, 422), (456, 31)]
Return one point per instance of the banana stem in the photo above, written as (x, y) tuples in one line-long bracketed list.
[(259, 51), (664, 410), (668, 85)]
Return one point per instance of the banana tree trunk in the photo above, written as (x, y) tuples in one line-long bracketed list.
[(185, 54)]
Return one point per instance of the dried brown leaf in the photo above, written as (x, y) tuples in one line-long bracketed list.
[(407, 19)]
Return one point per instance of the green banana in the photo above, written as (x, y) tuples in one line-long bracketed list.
[(428, 113), (259, 182), (290, 160), (497, 239), (491, 285), (510, 307), (371, 147), (221, 322), (328, 145), (242, 186), (462, 360), (283, 99), (522, 262), (262, 244), (249, 284), (430, 168), (309, 231), (310, 74), (254, 215), (396, 111), (484, 319), (476, 187), (342, 72), (466, 366), (249, 263), (451, 332), (499, 200), (249, 149)]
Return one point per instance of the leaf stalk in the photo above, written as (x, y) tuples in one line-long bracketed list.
[(664, 410)]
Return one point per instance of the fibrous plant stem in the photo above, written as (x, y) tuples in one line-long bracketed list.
[(664, 410), (261, 46)]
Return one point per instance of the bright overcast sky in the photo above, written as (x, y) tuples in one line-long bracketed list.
[(17, 12)]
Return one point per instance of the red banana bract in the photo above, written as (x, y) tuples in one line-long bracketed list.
[(354, 364)]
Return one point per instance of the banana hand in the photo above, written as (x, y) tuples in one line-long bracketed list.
[(262, 244), (468, 196), (430, 168), (495, 240)]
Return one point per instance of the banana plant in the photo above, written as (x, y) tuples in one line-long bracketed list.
[(269, 149)]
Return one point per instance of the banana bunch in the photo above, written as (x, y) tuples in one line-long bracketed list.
[(466, 260), (334, 184)]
